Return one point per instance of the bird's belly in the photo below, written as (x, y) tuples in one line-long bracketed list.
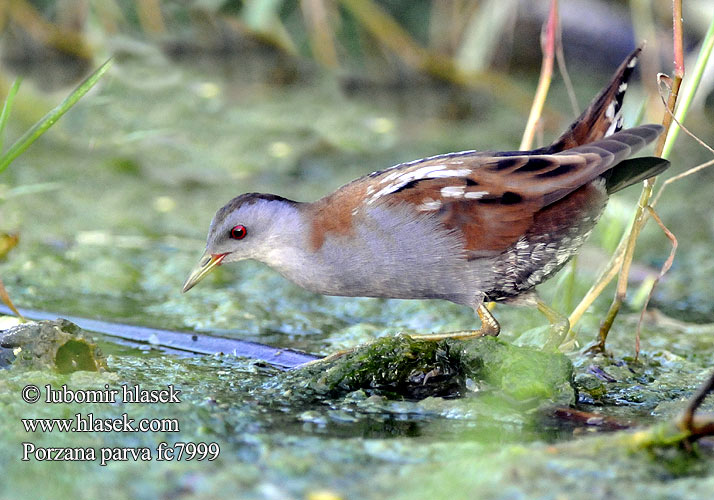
[(408, 276), (393, 255)]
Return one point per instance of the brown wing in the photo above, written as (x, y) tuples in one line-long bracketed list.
[(492, 200)]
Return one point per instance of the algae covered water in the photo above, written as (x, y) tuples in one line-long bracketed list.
[(112, 210)]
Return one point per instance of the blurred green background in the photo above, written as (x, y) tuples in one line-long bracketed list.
[(208, 99)]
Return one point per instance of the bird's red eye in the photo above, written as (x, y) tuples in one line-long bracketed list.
[(238, 232)]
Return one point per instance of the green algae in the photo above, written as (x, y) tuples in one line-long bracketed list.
[(400, 367), (53, 345), (593, 467), (286, 434)]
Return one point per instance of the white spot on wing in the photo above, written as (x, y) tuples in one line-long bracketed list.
[(610, 111), (475, 195), (632, 63), (399, 178), (434, 172), (429, 205), (614, 126), (453, 191), (462, 172), (622, 87), (391, 176)]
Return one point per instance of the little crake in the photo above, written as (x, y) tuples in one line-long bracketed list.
[(468, 227)]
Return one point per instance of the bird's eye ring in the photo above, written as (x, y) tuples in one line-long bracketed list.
[(238, 232)]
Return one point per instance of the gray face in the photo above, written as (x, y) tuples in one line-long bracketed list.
[(234, 234), (247, 227)]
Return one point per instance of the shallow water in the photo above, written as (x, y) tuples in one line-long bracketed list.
[(116, 204)]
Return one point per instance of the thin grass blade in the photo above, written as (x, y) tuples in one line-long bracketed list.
[(50, 118), (7, 108)]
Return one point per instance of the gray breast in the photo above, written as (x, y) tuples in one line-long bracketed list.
[(396, 253)]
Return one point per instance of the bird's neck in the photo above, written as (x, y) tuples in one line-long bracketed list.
[(289, 248), (286, 236)]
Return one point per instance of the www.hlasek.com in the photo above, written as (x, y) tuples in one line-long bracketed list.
[(89, 423)]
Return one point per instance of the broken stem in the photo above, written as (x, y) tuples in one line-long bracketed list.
[(665, 268), (640, 218), (688, 423), (5, 298), (548, 40)]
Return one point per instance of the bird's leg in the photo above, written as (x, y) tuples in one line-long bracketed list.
[(560, 326), (489, 326), (329, 357)]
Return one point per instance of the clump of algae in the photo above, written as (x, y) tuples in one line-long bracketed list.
[(53, 345), (402, 368)]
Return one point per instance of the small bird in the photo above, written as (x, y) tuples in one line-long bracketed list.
[(468, 227)]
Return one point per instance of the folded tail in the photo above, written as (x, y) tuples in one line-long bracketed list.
[(618, 170), (603, 116), (632, 171)]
